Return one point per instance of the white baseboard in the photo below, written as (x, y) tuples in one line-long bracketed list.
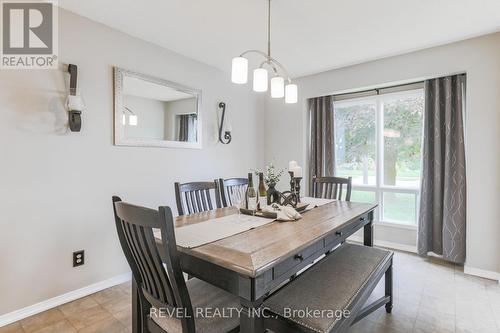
[(386, 244), (14, 316), (482, 273)]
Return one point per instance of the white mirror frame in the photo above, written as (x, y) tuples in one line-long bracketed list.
[(119, 137)]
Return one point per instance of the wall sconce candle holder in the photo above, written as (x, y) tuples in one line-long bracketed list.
[(224, 138), (74, 102)]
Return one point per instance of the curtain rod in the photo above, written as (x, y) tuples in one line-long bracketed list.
[(388, 89), (379, 91)]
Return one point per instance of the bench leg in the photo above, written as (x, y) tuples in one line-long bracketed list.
[(388, 288), (250, 321)]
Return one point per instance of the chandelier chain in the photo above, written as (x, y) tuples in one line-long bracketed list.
[(269, 29)]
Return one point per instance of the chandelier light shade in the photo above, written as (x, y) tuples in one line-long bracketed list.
[(132, 120), (277, 87), (260, 80), (291, 93), (239, 71)]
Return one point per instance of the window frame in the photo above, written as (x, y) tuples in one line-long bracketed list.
[(380, 188)]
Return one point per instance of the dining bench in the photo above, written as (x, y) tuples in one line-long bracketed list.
[(331, 296)]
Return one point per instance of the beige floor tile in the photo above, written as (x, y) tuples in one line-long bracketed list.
[(89, 317), (108, 295), (126, 287), (105, 326), (432, 321), (41, 320), (438, 304), (119, 304), (496, 315), (397, 320), (12, 328), (124, 316), (475, 315), (59, 327), (371, 327), (78, 306)]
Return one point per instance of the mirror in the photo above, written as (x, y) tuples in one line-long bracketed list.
[(152, 112)]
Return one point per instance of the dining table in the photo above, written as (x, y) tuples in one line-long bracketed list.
[(253, 263)]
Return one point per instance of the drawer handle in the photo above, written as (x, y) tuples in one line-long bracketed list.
[(338, 233), (298, 257)]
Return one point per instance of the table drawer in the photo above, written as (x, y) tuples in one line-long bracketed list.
[(300, 258), (345, 231)]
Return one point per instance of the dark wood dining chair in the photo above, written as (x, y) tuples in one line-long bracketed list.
[(331, 187), (231, 187), (161, 286), (196, 197)]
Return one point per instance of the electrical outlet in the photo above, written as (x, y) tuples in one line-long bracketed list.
[(78, 258)]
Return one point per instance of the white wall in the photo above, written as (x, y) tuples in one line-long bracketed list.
[(480, 58), (56, 187)]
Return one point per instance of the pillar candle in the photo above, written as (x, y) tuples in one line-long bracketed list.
[(297, 172)]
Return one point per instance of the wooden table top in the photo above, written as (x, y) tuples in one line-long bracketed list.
[(254, 251)]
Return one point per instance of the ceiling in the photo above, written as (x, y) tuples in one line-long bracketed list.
[(308, 36)]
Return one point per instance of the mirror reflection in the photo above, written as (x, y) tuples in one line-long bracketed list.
[(153, 112)]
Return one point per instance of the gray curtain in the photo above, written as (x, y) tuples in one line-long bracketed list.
[(322, 143), (184, 127), (442, 202)]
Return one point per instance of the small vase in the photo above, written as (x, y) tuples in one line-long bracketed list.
[(272, 194)]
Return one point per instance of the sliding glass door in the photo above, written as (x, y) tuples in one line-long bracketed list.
[(378, 143)]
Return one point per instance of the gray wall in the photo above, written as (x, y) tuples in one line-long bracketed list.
[(151, 115), (56, 187), (480, 58)]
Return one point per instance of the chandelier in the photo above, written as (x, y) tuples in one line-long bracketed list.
[(239, 71)]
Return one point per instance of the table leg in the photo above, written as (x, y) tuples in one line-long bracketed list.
[(389, 288), (136, 309), (251, 320), (368, 234)]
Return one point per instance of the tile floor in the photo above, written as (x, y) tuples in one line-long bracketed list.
[(107, 311), (431, 296)]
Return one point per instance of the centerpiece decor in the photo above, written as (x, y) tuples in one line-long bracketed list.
[(292, 197), (271, 178)]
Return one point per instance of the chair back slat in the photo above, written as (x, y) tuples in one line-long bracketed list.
[(158, 274), (332, 188), (195, 197), (232, 188), (199, 203), (209, 202)]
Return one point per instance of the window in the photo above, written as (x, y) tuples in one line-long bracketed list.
[(378, 143)]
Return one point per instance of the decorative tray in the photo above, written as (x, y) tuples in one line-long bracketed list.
[(300, 208)]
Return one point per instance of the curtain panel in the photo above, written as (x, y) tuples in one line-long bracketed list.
[(322, 138), (443, 198), (184, 127)]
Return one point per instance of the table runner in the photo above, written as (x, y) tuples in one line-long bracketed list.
[(315, 202), (212, 230)]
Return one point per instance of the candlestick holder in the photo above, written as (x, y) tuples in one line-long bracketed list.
[(297, 187), (292, 182)]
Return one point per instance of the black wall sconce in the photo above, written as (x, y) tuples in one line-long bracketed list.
[(224, 138), (74, 103)]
